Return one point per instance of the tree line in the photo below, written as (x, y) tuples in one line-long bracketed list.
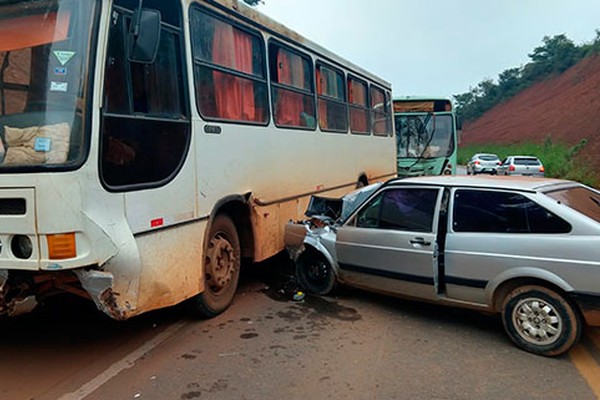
[(553, 57)]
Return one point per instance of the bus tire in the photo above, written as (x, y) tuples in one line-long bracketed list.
[(540, 320), (221, 268)]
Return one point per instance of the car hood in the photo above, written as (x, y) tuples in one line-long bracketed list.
[(337, 210)]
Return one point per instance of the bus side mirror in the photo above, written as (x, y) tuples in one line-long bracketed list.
[(144, 36)]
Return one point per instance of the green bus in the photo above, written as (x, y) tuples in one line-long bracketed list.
[(425, 135)]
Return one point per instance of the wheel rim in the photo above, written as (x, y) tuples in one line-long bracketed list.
[(537, 321), (317, 273), (220, 264)]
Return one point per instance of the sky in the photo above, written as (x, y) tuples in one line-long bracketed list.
[(436, 47)]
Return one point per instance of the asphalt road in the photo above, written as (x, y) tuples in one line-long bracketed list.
[(267, 346)]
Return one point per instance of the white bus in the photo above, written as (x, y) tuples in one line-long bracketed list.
[(150, 146)]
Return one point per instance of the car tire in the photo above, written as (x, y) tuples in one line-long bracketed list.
[(315, 274), (222, 264), (541, 321)]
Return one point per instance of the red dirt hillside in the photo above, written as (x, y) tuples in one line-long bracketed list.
[(565, 108)]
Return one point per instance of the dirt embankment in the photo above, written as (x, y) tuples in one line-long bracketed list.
[(565, 108)]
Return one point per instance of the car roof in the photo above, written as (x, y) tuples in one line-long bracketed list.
[(499, 182), (485, 154), (530, 157)]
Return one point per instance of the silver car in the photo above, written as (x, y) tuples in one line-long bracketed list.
[(483, 163), (522, 165), (526, 248)]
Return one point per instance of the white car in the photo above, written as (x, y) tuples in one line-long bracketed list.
[(525, 248), (483, 163), (522, 165)]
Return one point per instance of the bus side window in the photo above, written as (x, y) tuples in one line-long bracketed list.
[(359, 110), (229, 71), (333, 110), (292, 86), (380, 112)]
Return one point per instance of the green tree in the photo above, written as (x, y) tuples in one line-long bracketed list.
[(554, 56)]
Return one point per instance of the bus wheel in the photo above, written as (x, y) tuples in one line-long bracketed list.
[(221, 268), (540, 320)]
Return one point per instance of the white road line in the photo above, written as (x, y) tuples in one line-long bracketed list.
[(126, 362)]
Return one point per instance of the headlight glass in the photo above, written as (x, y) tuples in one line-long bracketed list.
[(21, 247)]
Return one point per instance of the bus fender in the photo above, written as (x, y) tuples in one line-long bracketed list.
[(222, 203), (99, 285), (114, 280)]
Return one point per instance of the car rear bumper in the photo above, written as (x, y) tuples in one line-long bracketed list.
[(485, 170), (589, 304)]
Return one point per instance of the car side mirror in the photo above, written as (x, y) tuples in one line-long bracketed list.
[(144, 36)]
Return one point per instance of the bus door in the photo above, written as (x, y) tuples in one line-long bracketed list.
[(146, 130)]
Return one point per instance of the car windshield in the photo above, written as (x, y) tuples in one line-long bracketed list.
[(424, 135), (354, 199), (44, 54), (526, 161), (582, 199)]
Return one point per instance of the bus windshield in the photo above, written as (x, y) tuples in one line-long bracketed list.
[(44, 53), (424, 135)]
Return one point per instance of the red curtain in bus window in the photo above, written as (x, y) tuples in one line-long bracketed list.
[(17, 34), (234, 96), (321, 89), (289, 104), (357, 93)]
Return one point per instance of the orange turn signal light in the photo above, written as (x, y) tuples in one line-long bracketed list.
[(61, 246)]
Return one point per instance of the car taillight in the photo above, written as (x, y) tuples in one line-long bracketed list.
[(511, 168), (541, 168), (499, 163), (477, 162)]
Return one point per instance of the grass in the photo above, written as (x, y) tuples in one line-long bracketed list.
[(560, 160)]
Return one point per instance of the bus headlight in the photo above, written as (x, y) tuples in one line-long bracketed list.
[(21, 247)]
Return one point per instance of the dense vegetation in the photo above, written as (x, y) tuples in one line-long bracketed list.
[(559, 160), (554, 56)]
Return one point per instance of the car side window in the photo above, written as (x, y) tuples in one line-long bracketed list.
[(407, 209), (502, 212)]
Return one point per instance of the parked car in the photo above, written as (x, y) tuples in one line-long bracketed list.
[(525, 248), (483, 163), (522, 165)]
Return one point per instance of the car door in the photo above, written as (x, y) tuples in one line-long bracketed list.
[(390, 243)]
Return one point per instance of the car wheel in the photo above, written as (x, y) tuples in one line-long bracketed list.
[(540, 321), (315, 274), (221, 268)]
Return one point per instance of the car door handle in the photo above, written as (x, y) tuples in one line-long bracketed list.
[(420, 240)]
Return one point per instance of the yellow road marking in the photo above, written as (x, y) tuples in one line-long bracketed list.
[(594, 334), (587, 366)]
